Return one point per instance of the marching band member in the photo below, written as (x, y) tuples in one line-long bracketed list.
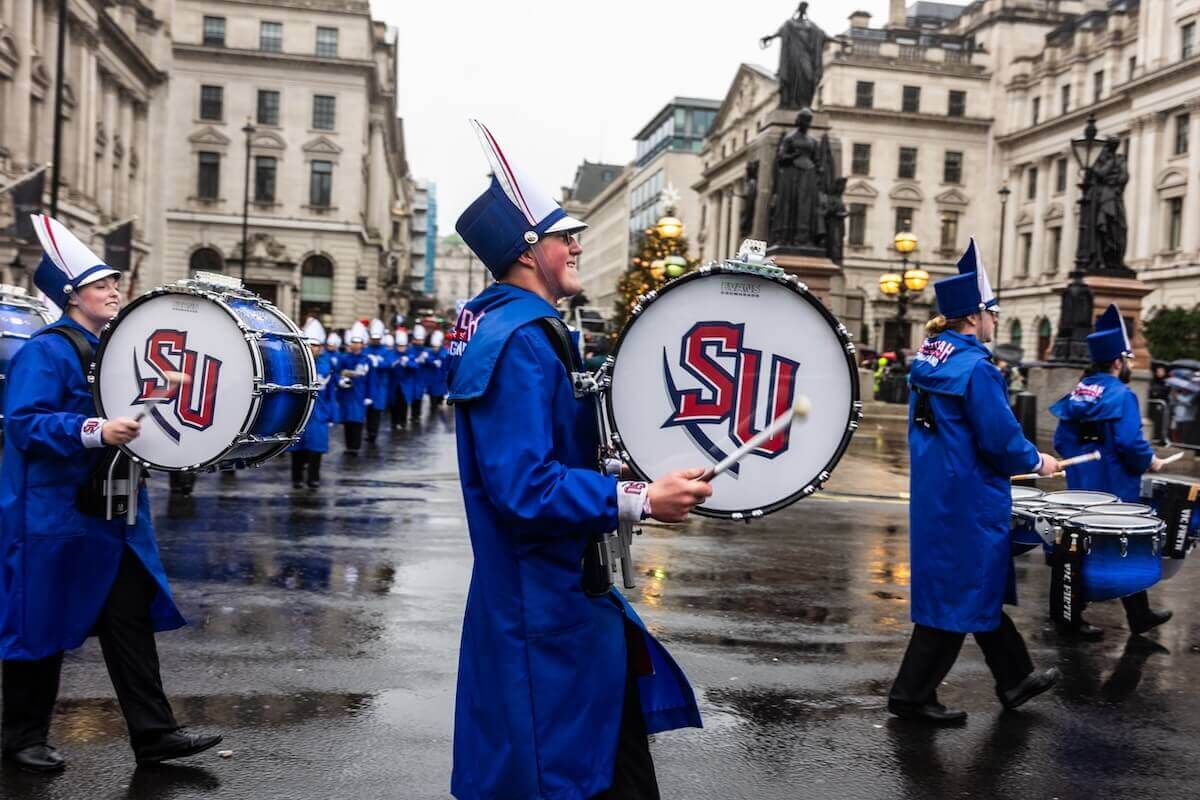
[(557, 689), (333, 344), (352, 397), (1102, 413), (399, 404), (414, 372), (378, 380), (67, 574), (314, 441), (964, 443), (435, 379)]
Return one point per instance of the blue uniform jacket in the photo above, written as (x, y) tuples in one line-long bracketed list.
[(315, 438), (1105, 405), (352, 402), (59, 564), (407, 373), (379, 380), (436, 370), (542, 665), (960, 489)]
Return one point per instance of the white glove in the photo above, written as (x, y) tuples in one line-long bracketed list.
[(369, 401)]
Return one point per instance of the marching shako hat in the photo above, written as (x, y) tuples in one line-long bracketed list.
[(376, 329), (436, 338), (968, 292), (418, 333), (67, 263), (314, 331), (333, 340), (357, 333), (512, 215), (401, 337), (388, 340), (1109, 341)]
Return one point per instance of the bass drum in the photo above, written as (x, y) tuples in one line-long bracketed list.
[(252, 380), (708, 361), (20, 317)]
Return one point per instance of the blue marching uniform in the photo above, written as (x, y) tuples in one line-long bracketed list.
[(352, 400), (315, 438), (60, 564), (412, 377), (437, 383), (542, 669)]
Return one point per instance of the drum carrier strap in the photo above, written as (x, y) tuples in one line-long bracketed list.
[(923, 410), (582, 382), (83, 348)]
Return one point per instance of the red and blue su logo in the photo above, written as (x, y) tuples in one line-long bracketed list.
[(194, 399), (729, 397), (935, 352)]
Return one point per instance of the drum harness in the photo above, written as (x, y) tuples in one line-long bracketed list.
[(111, 489), (607, 551)]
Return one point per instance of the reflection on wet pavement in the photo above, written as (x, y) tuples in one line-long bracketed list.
[(325, 630)]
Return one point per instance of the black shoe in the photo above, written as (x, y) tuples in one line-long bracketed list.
[(1150, 620), (1085, 631), (931, 713), (297, 485), (1034, 684), (176, 744), (313, 484), (37, 758)]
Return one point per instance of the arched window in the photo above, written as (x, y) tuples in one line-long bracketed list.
[(1014, 332), (1044, 334), (316, 287), (206, 259)]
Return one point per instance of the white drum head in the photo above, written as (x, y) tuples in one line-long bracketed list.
[(181, 332), (710, 362)]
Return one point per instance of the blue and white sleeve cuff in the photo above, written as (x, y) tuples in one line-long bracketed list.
[(633, 501), (89, 432)]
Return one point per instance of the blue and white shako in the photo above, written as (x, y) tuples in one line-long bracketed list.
[(512, 215), (968, 292), (67, 263), (1109, 341)]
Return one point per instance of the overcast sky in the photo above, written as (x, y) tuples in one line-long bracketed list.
[(558, 82)]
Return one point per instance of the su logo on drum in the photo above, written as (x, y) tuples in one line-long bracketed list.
[(195, 399), (729, 397)]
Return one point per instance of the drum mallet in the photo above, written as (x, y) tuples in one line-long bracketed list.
[(174, 381), (1066, 462), (800, 408), (1172, 459)]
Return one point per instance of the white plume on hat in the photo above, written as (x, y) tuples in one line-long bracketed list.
[(357, 333), (388, 340), (376, 328), (333, 340), (418, 332), (315, 331), (402, 337), (435, 339)]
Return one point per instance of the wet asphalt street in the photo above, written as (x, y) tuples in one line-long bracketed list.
[(325, 630)]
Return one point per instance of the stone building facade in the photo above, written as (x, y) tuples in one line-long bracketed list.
[(460, 274)]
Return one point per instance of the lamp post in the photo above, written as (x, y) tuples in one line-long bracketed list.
[(1077, 309), (60, 66), (1004, 193), (904, 284), (249, 131)]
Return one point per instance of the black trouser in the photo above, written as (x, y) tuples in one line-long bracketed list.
[(633, 770), (354, 432), (399, 411), (1137, 608), (126, 635), (309, 459), (932, 652), (435, 401), (374, 416), (181, 481), (415, 408)]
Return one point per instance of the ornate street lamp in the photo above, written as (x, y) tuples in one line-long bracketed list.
[(903, 285), (1004, 193), (248, 129)]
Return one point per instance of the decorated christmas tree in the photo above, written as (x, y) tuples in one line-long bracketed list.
[(662, 254)]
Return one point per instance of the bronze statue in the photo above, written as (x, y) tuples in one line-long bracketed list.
[(1109, 230), (834, 212), (795, 217), (749, 198), (800, 66)]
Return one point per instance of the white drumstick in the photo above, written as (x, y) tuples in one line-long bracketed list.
[(1172, 459), (800, 408), (1066, 462), (174, 381)]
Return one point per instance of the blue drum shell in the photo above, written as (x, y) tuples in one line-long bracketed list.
[(284, 364), (1107, 574), (17, 324), (1023, 532)]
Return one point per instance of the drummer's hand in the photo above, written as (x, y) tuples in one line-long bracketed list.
[(677, 493), (120, 430), (1156, 464), (1049, 465)]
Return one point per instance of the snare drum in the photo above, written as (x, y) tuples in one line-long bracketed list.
[(1077, 498), (710, 360), (1121, 553), (1175, 500), (20, 317), (1026, 519), (252, 384)]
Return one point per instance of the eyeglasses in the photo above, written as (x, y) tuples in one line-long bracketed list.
[(568, 237)]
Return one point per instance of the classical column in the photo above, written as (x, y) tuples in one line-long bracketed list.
[(139, 179), (712, 226), (15, 120), (730, 244), (1070, 218), (735, 221), (1191, 203), (379, 179), (1151, 129), (104, 165), (719, 227), (1037, 255), (122, 200)]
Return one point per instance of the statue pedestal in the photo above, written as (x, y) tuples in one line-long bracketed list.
[(1126, 294), (811, 267)]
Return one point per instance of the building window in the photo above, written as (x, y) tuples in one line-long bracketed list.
[(208, 183), (206, 259), (958, 104), (270, 37), (320, 188), (949, 240), (1132, 66), (1043, 342), (857, 235), (911, 104), (1026, 252), (1060, 175), (864, 94), (1035, 107), (908, 163), (316, 286), (860, 164), (1097, 85), (1174, 223), (327, 42), (214, 31), (268, 107), (212, 103), (1187, 40), (952, 168), (1054, 252), (1014, 332), (1181, 134), (1065, 93), (1031, 187), (904, 220), (264, 179), (324, 112)]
